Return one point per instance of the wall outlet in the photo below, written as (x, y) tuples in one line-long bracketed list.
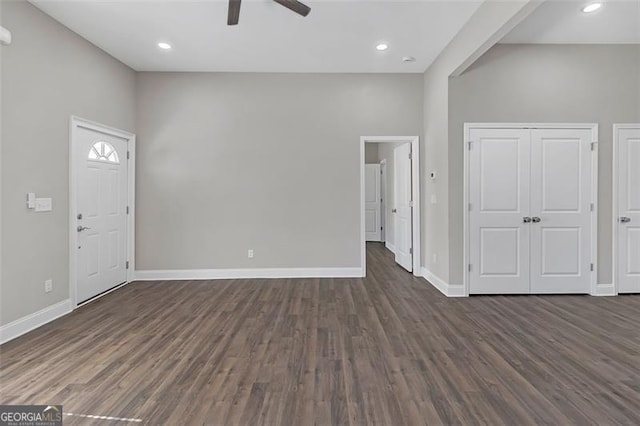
[(48, 286), (250, 253)]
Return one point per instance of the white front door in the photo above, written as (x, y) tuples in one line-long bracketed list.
[(499, 212), (561, 210), (372, 202), (628, 221), (102, 208), (402, 210)]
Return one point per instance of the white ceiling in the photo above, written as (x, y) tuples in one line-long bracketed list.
[(337, 36), (558, 21)]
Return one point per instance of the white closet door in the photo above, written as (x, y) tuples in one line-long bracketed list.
[(628, 250), (499, 197), (561, 210), (372, 202)]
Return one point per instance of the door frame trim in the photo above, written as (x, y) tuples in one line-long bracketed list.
[(615, 200), (593, 127), (415, 189), (76, 123)]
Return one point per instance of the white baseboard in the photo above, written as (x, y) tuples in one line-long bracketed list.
[(445, 288), (221, 274), (605, 290), (390, 247), (30, 322)]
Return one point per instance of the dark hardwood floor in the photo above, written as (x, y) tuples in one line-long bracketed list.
[(385, 350)]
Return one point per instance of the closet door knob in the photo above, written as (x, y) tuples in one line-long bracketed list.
[(526, 219), (536, 219)]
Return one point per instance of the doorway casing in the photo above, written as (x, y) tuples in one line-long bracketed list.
[(76, 123), (415, 195)]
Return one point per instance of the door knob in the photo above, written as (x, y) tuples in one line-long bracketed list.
[(625, 219), (394, 211), (83, 228), (535, 219), (526, 219)]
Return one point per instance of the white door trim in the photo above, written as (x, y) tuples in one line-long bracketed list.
[(594, 188), (415, 183), (615, 199), (76, 123)]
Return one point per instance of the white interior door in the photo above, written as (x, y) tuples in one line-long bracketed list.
[(402, 206), (102, 203), (561, 210), (499, 197), (628, 224), (372, 204)]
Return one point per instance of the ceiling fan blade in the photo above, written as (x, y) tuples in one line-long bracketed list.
[(296, 6), (234, 12)]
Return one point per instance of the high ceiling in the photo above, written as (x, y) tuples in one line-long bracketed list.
[(337, 36), (557, 21)]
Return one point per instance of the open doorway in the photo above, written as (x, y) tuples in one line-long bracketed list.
[(389, 192)]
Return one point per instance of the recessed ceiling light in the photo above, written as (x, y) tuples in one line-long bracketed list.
[(164, 46), (592, 7), (382, 46)]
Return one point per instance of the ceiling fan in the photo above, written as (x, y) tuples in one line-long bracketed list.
[(294, 5)]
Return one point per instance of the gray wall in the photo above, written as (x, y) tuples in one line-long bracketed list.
[(371, 153), (484, 28), (229, 162), (48, 74), (545, 83)]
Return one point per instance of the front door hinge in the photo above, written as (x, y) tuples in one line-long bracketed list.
[(128, 155), (593, 207), (411, 250), (126, 265), (469, 145), (592, 267), (127, 209), (410, 156), (469, 267), (593, 146)]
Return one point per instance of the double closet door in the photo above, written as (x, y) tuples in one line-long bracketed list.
[(530, 212)]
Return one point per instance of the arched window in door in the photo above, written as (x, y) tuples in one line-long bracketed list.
[(104, 151)]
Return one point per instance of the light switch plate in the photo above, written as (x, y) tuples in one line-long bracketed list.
[(44, 204), (31, 200)]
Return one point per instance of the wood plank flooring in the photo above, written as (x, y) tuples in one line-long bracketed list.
[(385, 350)]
